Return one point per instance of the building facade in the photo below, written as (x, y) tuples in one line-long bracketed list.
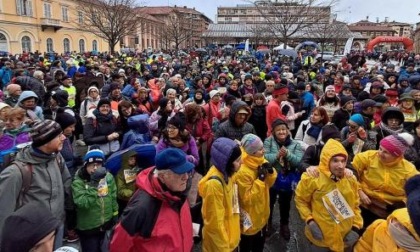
[(417, 38), (45, 26), (157, 19), (262, 11)]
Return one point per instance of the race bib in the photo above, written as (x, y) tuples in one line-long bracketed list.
[(103, 188), (235, 199), (129, 176), (246, 221), (337, 206)]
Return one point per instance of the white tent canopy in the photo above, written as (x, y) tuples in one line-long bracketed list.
[(281, 46)]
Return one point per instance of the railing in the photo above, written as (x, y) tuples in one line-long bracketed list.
[(50, 21)]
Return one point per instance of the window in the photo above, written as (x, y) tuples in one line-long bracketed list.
[(26, 44), (66, 45), (64, 13), (50, 46), (47, 10), (80, 17), (94, 45), (24, 7), (81, 46)]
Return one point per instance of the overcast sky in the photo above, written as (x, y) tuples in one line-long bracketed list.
[(349, 11)]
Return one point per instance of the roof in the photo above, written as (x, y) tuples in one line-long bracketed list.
[(242, 30), (377, 28), (165, 10), (149, 17)]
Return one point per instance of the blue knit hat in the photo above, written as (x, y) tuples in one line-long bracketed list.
[(358, 118), (251, 143), (94, 156)]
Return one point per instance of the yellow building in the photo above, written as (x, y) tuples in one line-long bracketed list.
[(45, 26)]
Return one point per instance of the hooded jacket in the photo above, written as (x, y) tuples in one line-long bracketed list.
[(377, 238), (94, 211), (154, 220), (35, 114), (254, 194), (33, 84), (383, 182), (125, 183), (309, 200), (49, 183), (221, 231), (229, 128)]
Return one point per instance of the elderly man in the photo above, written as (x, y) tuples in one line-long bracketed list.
[(39, 174), (158, 216)]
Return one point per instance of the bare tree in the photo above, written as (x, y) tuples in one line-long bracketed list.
[(178, 28), (111, 20), (324, 33), (260, 33), (286, 18)]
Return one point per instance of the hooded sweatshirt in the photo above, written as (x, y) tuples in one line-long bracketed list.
[(311, 191), (34, 114), (229, 128)]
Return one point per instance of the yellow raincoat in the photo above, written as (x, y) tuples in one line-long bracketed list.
[(254, 194), (376, 238), (221, 231), (383, 182), (309, 200)]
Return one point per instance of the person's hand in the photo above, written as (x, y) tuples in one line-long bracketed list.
[(97, 175), (313, 171), (364, 198), (351, 238), (269, 168), (113, 136), (191, 158), (352, 137), (348, 173), (301, 113), (262, 173), (282, 152), (362, 133), (315, 230)]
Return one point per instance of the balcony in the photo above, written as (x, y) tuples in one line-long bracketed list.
[(50, 23)]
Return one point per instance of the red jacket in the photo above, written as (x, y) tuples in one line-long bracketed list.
[(155, 220)]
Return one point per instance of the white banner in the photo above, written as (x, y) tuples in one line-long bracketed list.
[(347, 47)]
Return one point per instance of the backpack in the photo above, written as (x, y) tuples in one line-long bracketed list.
[(196, 214), (26, 170)]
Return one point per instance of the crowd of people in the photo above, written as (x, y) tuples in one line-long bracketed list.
[(232, 139)]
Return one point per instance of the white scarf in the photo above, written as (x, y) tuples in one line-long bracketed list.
[(402, 237)]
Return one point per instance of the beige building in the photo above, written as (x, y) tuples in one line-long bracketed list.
[(45, 26), (152, 37), (417, 38)]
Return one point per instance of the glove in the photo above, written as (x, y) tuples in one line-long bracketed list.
[(191, 158), (97, 175), (315, 230), (261, 173), (268, 168), (351, 238)]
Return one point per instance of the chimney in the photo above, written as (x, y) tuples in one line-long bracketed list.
[(367, 18), (377, 19), (185, 7), (386, 19)]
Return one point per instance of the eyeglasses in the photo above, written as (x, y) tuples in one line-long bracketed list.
[(353, 126), (170, 127)]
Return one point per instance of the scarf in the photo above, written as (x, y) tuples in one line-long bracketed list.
[(101, 117), (402, 237), (390, 131)]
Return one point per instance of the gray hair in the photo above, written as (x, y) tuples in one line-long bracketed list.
[(38, 73)]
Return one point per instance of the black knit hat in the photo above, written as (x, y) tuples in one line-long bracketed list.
[(44, 131), (330, 131), (114, 86), (61, 97), (103, 101), (391, 113), (345, 99), (278, 122), (64, 119), (163, 102), (28, 225), (178, 121)]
